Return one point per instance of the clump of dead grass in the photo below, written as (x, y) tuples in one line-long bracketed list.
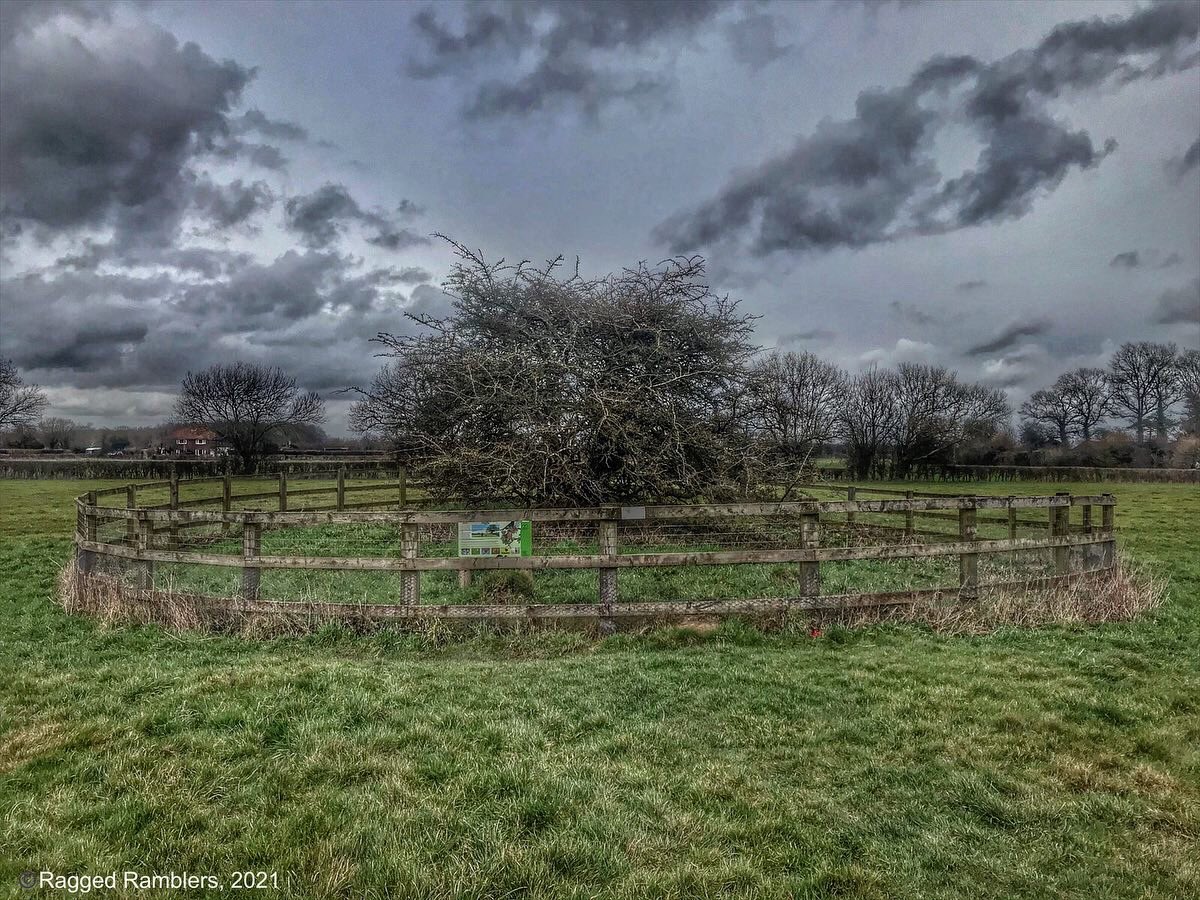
[(1118, 595)]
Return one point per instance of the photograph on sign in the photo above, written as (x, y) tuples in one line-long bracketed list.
[(511, 538)]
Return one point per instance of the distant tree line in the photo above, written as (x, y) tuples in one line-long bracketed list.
[(1148, 391)]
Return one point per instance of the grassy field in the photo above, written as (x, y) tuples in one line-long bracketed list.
[(883, 762)]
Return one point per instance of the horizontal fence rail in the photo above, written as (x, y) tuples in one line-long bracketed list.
[(259, 527)]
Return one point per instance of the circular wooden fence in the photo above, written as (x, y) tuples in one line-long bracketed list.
[(366, 553)]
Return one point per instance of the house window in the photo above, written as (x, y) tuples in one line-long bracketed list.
[(200, 441), (182, 442)]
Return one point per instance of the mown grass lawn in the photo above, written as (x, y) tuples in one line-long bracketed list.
[(886, 762)]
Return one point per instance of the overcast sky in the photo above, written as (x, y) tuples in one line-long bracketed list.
[(1008, 188)]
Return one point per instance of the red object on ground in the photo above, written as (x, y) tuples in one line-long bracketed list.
[(814, 631)]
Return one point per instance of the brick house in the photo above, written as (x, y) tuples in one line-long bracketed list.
[(191, 440)]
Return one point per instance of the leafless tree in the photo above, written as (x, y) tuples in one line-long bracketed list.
[(20, 403), (544, 386), (935, 412), (798, 398), (246, 405), (1143, 376), (1088, 397), (868, 418), (1050, 407), (1189, 379), (56, 433)]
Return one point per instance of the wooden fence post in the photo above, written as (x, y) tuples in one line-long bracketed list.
[(1108, 555), (908, 516), (410, 580), (968, 563), (174, 527), (810, 539), (1060, 518), (851, 493), (404, 489), (144, 574), (607, 535), (341, 488), (283, 503), (226, 499), (1012, 518), (131, 529), (251, 545), (85, 560)]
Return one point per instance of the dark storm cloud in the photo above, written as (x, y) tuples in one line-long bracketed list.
[(973, 285), (103, 119), (1010, 336), (1130, 259), (320, 217), (1181, 165), (566, 43), (1179, 305), (874, 178), (127, 331)]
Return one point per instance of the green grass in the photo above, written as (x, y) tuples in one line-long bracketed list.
[(885, 762)]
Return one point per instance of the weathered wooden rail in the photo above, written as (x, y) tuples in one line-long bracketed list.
[(132, 539)]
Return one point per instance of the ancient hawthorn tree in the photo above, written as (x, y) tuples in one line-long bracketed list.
[(21, 404), (246, 405), (543, 385)]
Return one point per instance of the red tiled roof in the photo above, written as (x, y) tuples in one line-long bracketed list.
[(193, 433)]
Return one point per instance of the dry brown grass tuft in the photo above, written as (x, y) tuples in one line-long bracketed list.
[(1118, 595)]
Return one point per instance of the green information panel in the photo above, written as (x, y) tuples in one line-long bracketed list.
[(511, 538)]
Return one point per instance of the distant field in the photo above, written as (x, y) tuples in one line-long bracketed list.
[(879, 763)]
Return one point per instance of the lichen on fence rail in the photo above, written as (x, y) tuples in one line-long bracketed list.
[(287, 551)]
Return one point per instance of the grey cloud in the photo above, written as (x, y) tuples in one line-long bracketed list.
[(800, 337), (102, 123), (874, 178), (256, 120), (1011, 336), (413, 275), (1179, 305), (1172, 259), (1130, 259), (566, 43), (201, 261), (1190, 159), (973, 285), (754, 40), (232, 204), (910, 313), (320, 218), (121, 331)]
